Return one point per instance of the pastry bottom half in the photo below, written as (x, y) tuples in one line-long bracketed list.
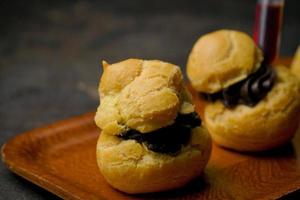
[(270, 123), (130, 167)]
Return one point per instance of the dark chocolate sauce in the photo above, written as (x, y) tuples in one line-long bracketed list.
[(249, 91), (169, 139)]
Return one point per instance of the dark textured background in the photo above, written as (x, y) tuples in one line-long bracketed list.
[(50, 53)]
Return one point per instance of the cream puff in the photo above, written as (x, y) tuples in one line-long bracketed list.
[(250, 106), (151, 139)]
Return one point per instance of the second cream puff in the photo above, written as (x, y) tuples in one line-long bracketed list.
[(250, 106)]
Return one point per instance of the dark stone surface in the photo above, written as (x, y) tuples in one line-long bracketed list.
[(50, 53)]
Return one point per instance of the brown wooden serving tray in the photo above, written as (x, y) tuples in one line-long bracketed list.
[(61, 158)]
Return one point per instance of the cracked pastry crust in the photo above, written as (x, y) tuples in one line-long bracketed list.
[(145, 96), (222, 58), (137, 94), (271, 123)]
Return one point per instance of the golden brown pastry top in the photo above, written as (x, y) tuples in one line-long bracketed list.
[(140, 94), (222, 58)]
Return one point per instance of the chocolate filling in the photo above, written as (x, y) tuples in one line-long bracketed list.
[(249, 91), (168, 139)]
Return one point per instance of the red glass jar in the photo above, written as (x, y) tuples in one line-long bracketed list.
[(267, 27)]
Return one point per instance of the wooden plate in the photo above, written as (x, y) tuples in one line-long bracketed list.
[(61, 158)]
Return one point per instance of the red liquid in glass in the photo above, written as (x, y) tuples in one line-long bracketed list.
[(267, 26)]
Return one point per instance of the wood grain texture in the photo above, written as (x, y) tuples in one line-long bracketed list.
[(61, 158)]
